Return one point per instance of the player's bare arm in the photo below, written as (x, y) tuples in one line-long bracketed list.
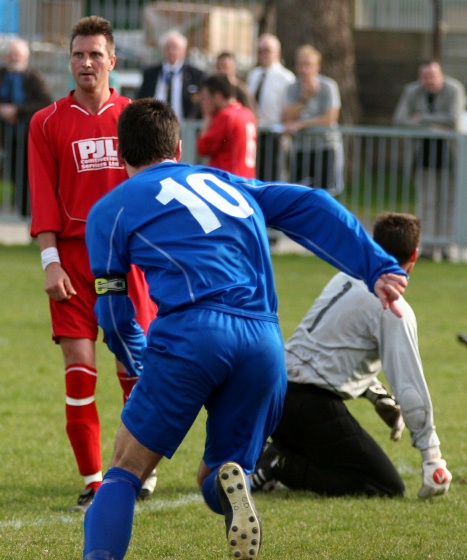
[(58, 285), (388, 288)]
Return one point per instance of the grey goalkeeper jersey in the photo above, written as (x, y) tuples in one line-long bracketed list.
[(346, 339)]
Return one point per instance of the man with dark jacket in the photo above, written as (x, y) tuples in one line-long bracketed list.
[(174, 80), (23, 91)]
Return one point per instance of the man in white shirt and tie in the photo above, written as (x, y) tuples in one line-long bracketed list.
[(273, 79), (268, 83)]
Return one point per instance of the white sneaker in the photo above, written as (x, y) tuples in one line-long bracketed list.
[(148, 486)]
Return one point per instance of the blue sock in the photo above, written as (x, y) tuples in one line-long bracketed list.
[(109, 520), (209, 491)]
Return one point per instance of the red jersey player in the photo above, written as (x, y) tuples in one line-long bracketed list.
[(73, 162), (229, 133)]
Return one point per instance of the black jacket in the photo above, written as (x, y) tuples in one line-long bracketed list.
[(37, 92), (191, 80)]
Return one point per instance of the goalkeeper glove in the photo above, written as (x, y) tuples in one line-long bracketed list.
[(436, 477), (387, 408)]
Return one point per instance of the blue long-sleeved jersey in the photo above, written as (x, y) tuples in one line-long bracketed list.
[(199, 234)]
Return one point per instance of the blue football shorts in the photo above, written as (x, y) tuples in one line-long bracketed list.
[(232, 365)]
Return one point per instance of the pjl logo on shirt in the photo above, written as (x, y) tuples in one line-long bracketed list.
[(96, 153)]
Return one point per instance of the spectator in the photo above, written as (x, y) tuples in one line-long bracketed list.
[(268, 83), (226, 64), (174, 80), (435, 102), (335, 354), (228, 136), (199, 234), (314, 101), (23, 91), (73, 161)]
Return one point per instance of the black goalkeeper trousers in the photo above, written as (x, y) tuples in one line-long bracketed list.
[(327, 451)]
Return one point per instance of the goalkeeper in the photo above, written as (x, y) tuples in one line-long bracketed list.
[(336, 353)]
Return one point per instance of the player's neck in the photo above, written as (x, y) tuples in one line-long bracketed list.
[(134, 170), (92, 101)]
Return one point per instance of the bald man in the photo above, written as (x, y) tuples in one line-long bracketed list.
[(174, 80), (23, 91), (435, 102)]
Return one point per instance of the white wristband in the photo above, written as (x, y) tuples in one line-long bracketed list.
[(49, 256)]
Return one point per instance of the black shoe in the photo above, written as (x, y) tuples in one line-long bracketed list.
[(84, 501), (148, 487), (462, 337), (242, 522), (263, 476)]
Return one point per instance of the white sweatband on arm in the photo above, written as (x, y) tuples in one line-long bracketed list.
[(49, 256)]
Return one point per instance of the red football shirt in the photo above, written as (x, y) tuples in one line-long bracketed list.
[(73, 162), (230, 141)]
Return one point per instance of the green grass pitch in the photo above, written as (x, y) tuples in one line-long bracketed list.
[(39, 480)]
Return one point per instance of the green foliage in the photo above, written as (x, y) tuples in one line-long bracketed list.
[(39, 480)]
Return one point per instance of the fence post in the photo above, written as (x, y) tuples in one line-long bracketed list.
[(460, 223)]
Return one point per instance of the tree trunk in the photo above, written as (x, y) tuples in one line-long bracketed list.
[(327, 25), (267, 18)]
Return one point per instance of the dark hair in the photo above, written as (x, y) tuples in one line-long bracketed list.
[(225, 54), (219, 83), (148, 131), (94, 25), (398, 234)]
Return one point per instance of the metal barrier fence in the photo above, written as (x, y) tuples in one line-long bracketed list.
[(410, 15), (387, 168), (381, 169), (14, 196)]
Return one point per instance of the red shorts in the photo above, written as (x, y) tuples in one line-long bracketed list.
[(75, 318)]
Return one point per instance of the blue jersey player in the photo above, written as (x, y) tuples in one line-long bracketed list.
[(199, 234)]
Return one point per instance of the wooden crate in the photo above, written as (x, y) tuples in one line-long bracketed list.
[(56, 18), (209, 29)]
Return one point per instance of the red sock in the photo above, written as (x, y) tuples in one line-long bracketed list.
[(127, 383), (95, 485), (82, 420)]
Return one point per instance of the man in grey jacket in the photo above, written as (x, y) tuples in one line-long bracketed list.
[(335, 354), (434, 102)]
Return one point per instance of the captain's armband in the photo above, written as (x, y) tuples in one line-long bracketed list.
[(114, 285)]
